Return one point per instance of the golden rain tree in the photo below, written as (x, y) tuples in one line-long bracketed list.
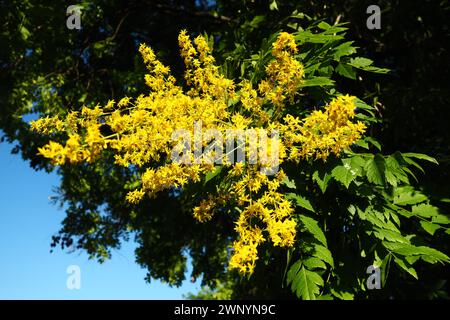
[(313, 187)]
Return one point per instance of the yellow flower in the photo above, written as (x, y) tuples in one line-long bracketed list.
[(282, 233), (285, 43), (237, 169), (204, 212), (245, 251), (47, 125), (124, 102), (285, 73), (110, 104), (323, 132), (135, 196), (73, 149), (53, 151)]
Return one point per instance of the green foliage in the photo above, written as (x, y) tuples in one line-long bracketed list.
[(305, 283), (379, 200)]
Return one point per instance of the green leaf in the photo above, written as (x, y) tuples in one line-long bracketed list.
[(384, 267), (362, 144), (412, 162), (307, 36), (293, 25), (350, 169), (293, 270), (313, 227), (395, 169), (324, 254), (325, 297), (408, 196), (429, 227), (405, 265), (429, 254), (374, 142), (273, 5), (436, 255), (442, 219), (314, 263), (344, 49), (377, 218), (346, 70), (317, 82), (300, 201), (425, 210), (322, 182), (405, 248), (331, 29), (360, 62), (323, 25), (390, 178), (375, 169), (82, 98), (343, 295), (24, 32), (132, 184), (343, 175), (389, 235), (375, 69), (211, 174), (420, 156), (362, 105), (407, 170), (306, 284), (394, 172), (289, 183), (311, 69), (366, 118), (351, 209), (366, 65), (257, 20)]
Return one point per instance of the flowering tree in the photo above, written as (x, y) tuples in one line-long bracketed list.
[(318, 192)]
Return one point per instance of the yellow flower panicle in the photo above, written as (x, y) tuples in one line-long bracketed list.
[(47, 125), (285, 73), (140, 131), (159, 77), (54, 151), (205, 210), (201, 73), (323, 132), (171, 175), (135, 196), (270, 208), (245, 251)]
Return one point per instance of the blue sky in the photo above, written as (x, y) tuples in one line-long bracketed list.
[(27, 268)]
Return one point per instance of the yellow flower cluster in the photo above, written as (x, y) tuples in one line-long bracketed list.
[(270, 207), (171, 175), (141, 133), (323, 132), (285, 73), (135, 196), (201, 73), (78, 147), (47, 125), (205, 210)]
